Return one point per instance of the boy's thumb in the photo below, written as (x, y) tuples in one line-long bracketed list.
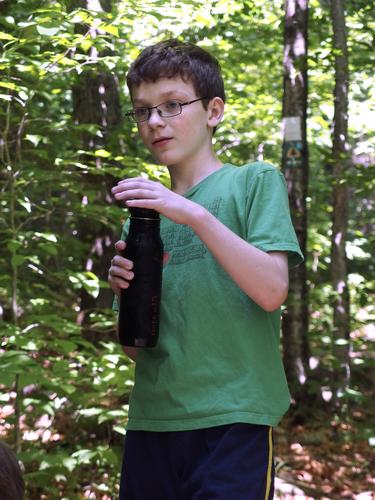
[(120, 245)]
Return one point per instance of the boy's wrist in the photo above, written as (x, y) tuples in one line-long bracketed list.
[(198, 216)]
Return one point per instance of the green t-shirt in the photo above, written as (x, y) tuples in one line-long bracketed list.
[(218, 359)]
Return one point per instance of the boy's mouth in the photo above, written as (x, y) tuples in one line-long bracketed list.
[(161, 140)]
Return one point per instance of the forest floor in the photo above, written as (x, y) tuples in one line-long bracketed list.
[(323, 460), (316, 458)]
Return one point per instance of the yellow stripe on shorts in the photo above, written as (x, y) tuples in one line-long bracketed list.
[(269, 468)]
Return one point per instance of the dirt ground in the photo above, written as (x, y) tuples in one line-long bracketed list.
[(324, 461)]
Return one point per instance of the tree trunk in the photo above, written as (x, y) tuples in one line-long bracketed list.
[(341, 164), (96, 100), (295, 165)]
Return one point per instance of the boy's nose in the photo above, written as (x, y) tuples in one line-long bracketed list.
[(155, 118)]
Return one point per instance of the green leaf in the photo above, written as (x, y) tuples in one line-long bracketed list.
[(17, 260), (91, 412), (64, 346), (80, 16), (89, 281), (35, 139), (68, 388), (84, 456), (69, 463), (109, 28), (354, 393), (13, 245), (38, 478), (9, 85), (47, 236), (102, 153), (25, 203), (341, 342), (119, 429), (26, 24), (112, 358), (6, 36), (49, 248), (86, 44), (43, 30), (111, 415)]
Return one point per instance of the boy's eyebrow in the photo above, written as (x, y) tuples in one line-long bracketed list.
[(163, 95)]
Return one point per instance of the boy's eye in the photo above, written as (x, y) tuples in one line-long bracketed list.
[(171, 106), (140, 113)]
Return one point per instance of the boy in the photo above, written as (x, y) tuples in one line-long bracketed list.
[(206, 397)]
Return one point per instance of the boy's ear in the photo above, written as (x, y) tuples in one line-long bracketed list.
[(215, 111)]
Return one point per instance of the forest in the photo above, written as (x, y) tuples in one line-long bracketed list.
[(299, 79)]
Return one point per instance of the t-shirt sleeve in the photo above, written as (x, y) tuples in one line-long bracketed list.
[(124, 232), (269, 225)]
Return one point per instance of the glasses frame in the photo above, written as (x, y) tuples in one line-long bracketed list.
[(131, 114)]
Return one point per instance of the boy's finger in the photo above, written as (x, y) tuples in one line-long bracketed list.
[(119, 261), (120, 245)]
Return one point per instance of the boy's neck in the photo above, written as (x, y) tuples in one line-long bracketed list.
[(185, 177)]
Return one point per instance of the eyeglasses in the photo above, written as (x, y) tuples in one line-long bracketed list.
[(165, 110)]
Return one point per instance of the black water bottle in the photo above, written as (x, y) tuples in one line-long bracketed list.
[(140, 302)]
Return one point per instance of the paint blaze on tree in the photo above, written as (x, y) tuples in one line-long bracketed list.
[(295, 168)]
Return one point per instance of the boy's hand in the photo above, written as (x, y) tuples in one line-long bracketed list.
[(120, 272), (143, 193)]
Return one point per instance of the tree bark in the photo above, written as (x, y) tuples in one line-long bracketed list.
[(341, 164), (295, 165), (96, 100)]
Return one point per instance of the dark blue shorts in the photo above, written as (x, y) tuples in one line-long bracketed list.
[(229, 462)]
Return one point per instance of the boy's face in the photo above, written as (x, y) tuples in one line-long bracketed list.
[(175, 140)]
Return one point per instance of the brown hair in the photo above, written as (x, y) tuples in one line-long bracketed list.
[(172, 58), (11, 480)]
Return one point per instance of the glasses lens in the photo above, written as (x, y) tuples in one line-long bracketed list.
[(140, 114), (170, 108)]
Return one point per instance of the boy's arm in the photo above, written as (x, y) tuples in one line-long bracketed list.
[(131, 352), (262, 276)]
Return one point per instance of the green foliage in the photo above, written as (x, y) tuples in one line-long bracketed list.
[(59, 356)]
